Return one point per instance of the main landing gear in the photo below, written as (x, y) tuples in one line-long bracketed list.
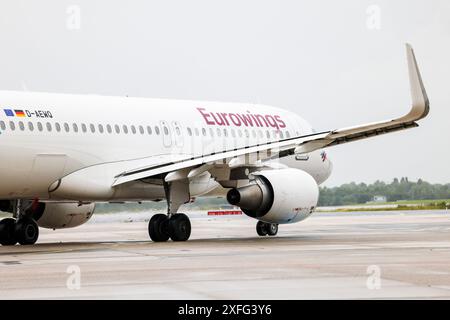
[(263, 229), (22, 229), (176, 227), (173, 225)]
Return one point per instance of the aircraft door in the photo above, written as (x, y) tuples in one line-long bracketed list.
[(166, 134), (178, 134)]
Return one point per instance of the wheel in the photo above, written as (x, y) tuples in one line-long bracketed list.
[(179, 227), (261, 228), (157, 228), (26, 231), (7, 235), (272, 229)]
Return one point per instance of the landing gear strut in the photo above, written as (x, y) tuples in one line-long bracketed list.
[(21, 229), (175, 226), (263, 229)]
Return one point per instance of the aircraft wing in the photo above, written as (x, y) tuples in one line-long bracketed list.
[(190, 166)]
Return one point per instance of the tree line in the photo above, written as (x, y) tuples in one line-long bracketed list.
[(403, 189)]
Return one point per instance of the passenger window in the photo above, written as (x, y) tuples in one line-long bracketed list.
[(157, 130), (83, 128), (288, 134), (281, 134), (211, 132), (66, 127), (225, 132), (75, 127), (254, 134), (57, 127), (100, 128), (268, 134), (117, 128), (177, 129), (197, 133), (49, 127), (21, 126), (108, 128), (141, 129), (40, 127), (30, 126), (133, 129), (189, 130), (247, 134), (12, 125), (233, 133), (240, 133), (166, 131), (92, 128), (204, 132), (2, 125), (219, 133), (149, 130), (125, 129)]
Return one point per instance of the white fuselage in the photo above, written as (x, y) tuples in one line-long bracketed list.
[(44, 137)]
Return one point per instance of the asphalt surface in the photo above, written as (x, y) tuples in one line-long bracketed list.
[(329, 256)]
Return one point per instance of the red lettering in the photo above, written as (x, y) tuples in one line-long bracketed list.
[(280, 122), (236, 122), (224, 115), (238, 119), (258, 117), (271, 121), (221, 122), (205, 116), (256, 121), (246, 119)]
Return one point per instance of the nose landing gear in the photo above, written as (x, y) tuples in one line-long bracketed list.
[(263, 229)]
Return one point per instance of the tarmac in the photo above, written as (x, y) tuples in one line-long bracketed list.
[(362, 255)]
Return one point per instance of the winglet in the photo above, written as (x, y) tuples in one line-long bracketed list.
[(420, 102)]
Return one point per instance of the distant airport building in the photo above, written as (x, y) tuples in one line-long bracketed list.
[(379, 199)]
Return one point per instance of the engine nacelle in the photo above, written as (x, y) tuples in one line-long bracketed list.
[(277, 196), (55, 215)]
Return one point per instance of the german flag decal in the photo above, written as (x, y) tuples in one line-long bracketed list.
[(19, 113)]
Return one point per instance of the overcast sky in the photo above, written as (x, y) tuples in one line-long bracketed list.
[(336, 63)]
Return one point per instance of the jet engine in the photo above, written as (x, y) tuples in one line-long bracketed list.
[(277, 196), (57, 215)]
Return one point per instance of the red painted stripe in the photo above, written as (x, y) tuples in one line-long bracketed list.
[(224, 212)]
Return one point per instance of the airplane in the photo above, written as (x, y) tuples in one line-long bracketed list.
[(61, 154)]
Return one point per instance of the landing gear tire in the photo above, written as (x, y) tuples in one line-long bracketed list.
[(26, 231), (263, 229), (158, 228), (272, 229), (179, 227), (7, 232)]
